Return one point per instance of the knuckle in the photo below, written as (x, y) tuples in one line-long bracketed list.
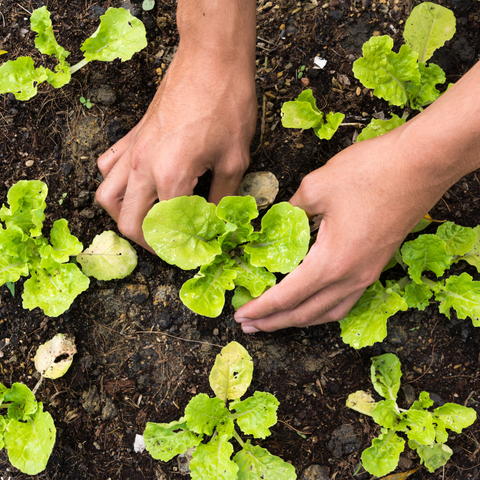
[(103, 195), (126, 228)]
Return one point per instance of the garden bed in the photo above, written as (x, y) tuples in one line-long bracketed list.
[(141, 354)]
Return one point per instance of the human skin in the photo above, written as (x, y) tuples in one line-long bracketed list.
[(202, 118), (371, 195)]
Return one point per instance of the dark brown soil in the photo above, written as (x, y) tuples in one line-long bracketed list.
[(141, 354)]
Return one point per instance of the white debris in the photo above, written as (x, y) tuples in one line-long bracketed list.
[(319, 62), (139, 444)]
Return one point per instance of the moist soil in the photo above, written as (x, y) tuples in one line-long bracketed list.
[(141, 354)]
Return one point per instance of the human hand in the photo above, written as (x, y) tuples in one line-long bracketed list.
[(202, 118)]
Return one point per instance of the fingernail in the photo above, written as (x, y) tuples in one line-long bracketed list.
[(249, 329), (240, 320)]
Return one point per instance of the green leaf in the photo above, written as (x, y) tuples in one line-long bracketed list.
[(240, 297), (183, 231), (420, 426), (213, 460), (383, 456), (283, 241), (462, 294), (473, 256), (23, 403), (455, 417), (54, 289), (328, 129), (255, 279), (148, 5), (120, 35), (385, 414), (27, 204), (237, 211), (108, 257), (205, 293), (256, 414), (417, 295), (427, 252), (45, 40), (385, 71), (378, 127), (423, 402), (54, 357), (459, 240), (367, 321), (255, 463), (11, 268), (232, 373), (427, 28), (441, 435), (21, 78), (362, 402), (424, 92), (307, 96), (302, 112), (203, 413), (30, 444), (422, 224), (3, 392), (63, 243), (434, 456), (385, 374), (166, 440)]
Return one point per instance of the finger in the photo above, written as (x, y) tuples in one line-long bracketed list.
[(107, 160), (226, 181), (311, 312)]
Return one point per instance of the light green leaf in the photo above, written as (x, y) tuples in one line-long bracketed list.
[(473, 256), (63, 243), (255, 279), (441, 435), (183, 231), (120, 35), (378, 127), (27, 205), (385, 374), (54, 289), (367, 321), (148, 5), (47, 361), (424, 92), (362, 402), (455, 417), (166, 440), (459, 240), (422, 224), (382, 457), (420, 426), (226, 427), (203, 413), (433, 456), (205, 293), (108, 257), (423, 402), (240, 297), (255, 463), (385, 71), (385, 414), (300, 114), (283, 241), (3, 391), (60, 77), (11, 268), (212, 460), (30, 444), (427, 28), (232, 373), (256, 414), (427, 252), (326, 130), (417, 295), (237, 211), (307, 96), (462, 294), (23, 403), (21, 78)]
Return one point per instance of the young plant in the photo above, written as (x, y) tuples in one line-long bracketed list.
[(215, 418), (304, 113), (189, 232), (425, 430), (405, 78), (86, 102), (24, 251), (367, 321), (119, 35)]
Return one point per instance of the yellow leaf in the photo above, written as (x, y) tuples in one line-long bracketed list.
[(3, 52), (401, 476)]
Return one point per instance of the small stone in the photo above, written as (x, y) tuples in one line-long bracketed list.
[(314, 472), (376, 33), (299, 145), (88, 213), (29, 163), (305, 81), (215, 332)]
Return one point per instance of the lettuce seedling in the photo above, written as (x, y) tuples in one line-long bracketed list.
[(26, 431), (215, 418), (405, 78), (304, 113), (367, 321), (24, 251), (119, 35), (425, 430), (189, 232)]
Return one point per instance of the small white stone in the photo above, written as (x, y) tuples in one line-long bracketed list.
[(29, 163)]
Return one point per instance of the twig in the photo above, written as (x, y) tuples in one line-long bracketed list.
[(178, 338), (23, 8)]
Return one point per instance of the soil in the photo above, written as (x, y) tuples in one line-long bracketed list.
[(141, 354)]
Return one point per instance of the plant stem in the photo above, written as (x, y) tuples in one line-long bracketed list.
[(399, 259), (403, 282), (429, 282), (78, 66), (238, 438)]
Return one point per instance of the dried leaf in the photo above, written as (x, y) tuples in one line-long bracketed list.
[(47, 353)]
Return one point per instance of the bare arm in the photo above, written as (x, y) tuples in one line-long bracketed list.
[(371, 195), (202, 117)]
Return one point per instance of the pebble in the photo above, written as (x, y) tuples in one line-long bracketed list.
[(314, 472), (305, 81), (344, 441), (29, 163)]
